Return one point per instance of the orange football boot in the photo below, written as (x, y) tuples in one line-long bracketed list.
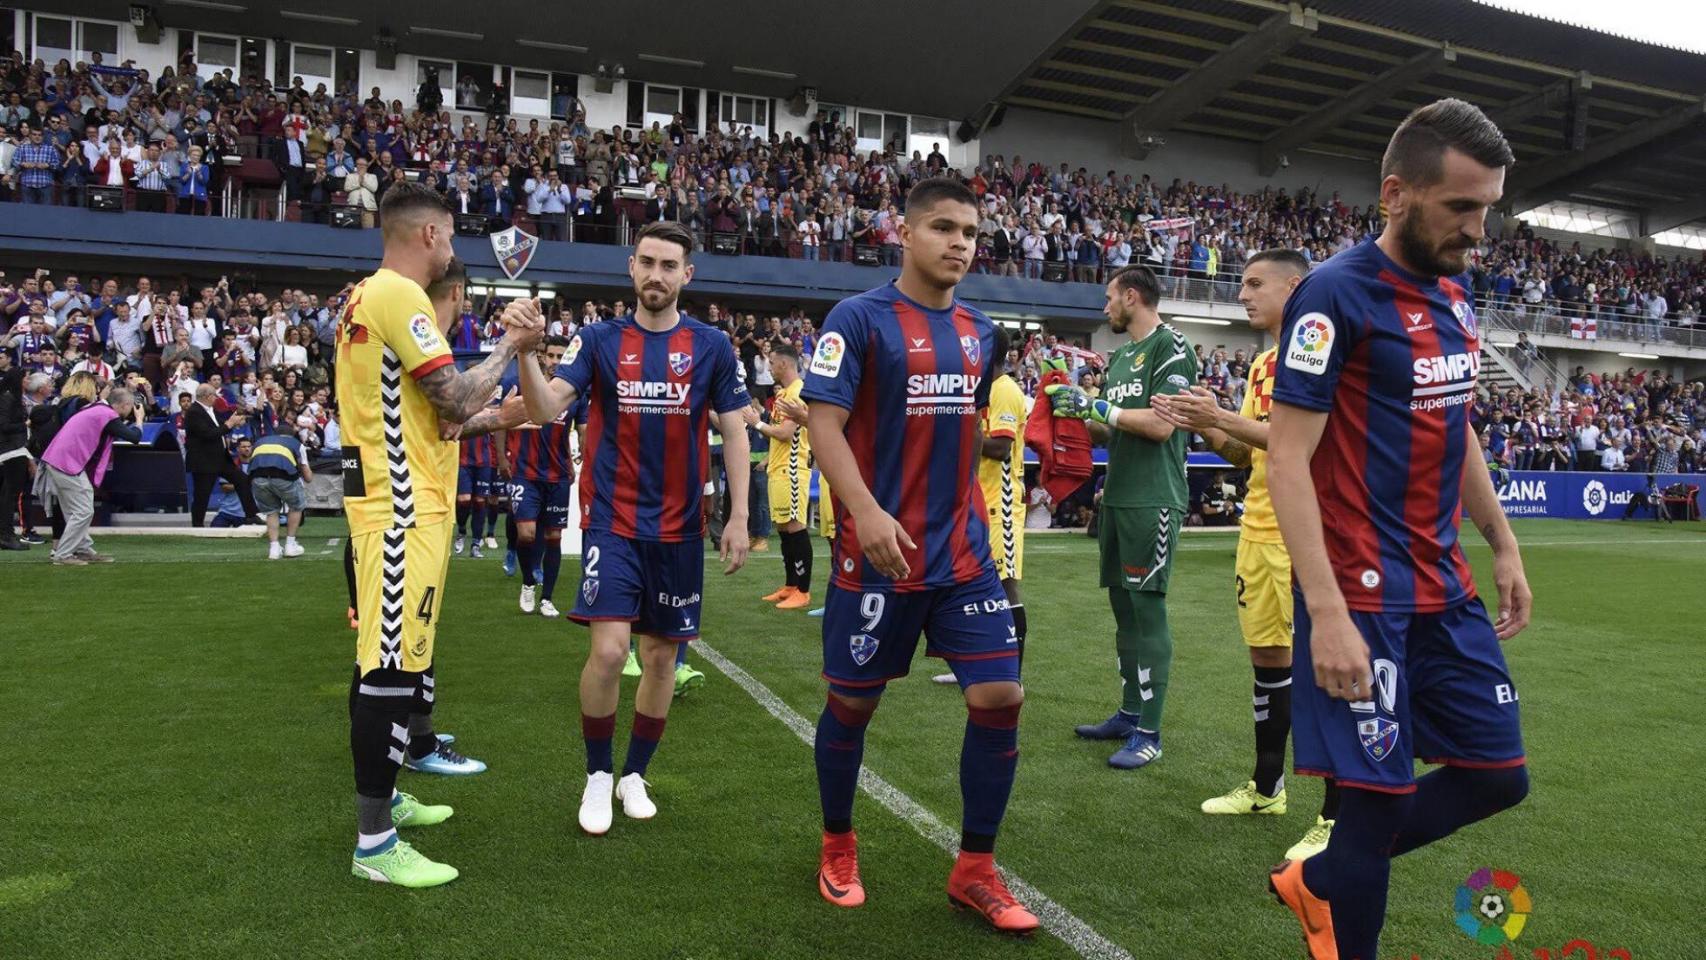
[(838, 870), (798, 600), (780, 593), (1313, 913), (974, 884)]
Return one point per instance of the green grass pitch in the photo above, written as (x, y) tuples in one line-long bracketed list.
[(178, 779)]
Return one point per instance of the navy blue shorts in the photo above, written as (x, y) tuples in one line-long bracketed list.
[(544, 502), (1442, 694), (478, 482), (655, 586), (869, 637)]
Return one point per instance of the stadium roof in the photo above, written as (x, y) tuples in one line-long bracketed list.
[(1594, 118)]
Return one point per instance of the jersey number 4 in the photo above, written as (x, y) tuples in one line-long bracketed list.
[(424, 614)]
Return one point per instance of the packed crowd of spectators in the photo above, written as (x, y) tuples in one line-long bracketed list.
[(69, 127), (1636, 421)]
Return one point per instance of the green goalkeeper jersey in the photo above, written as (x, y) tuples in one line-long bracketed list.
[(1141, 472)]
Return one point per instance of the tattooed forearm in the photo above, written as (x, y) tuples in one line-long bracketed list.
[(1234, 451), (458, 396), (486, 421)]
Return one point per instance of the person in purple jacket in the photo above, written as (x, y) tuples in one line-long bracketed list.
[(75, 463)]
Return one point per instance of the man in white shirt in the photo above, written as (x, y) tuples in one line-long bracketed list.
[(1611, 458), (1587, 447)]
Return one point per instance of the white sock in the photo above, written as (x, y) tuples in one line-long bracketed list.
[(367, 841), (290, 541)]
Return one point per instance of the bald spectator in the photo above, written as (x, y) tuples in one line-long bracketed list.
[(206, 456)]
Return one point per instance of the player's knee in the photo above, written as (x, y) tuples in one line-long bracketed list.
[(1503, 788), (606, 659), (463, 498), (1001, 695), (854, 710), (1276, 657), (658, 654), (553, 536)]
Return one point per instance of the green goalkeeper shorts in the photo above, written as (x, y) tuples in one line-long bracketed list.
[(1138, 544)]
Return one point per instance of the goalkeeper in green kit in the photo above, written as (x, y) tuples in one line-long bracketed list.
[(1143, 503)]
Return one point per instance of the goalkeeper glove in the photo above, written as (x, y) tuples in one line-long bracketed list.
[(1070, 401)]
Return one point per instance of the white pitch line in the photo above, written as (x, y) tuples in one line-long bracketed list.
[(1056, 919)]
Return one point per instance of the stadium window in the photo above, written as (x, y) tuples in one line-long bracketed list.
[(690, 108), (565, 95), (473, 85), (95, 37), (662, 104), (53, 39), (313, 65), (530, 93), (746, 111), (215, 52), (446, 78), (925, 133)]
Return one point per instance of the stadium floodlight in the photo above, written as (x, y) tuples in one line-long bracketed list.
[(320, 18), (1640, 356), (1210, 321), (672, 61), (452, 34), (209, 5), (551, 45), (761, 72)]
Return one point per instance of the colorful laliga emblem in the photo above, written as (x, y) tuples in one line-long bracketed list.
[(1379, 737), (514, 249), (680, 362), (863, 646), (589, 591), (969, 344)]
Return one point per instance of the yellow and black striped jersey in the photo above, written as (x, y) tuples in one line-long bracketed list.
[(792, 455), (1003, 482)]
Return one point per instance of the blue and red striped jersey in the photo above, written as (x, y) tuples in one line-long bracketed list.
[(477, 452), (1392, 358), (914, 382), (649, 400)]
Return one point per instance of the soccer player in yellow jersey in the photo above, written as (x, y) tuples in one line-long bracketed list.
[(1001, 475), (1263, 580), (790, 474), (396, 381)]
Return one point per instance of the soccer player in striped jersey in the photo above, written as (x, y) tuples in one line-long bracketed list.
[(1262, 581), (790, 477), (653, 383), (476, 486), (1001, 475), (396, 381), (895, 389), (1372, 460), (541, 467)]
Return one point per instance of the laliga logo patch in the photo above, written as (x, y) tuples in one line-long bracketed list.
[(679, 363), (826, 362), (847, 565), (1371, 578), (972, 348), (1594, 497), (863, 647), (425, 333), (573, 351), (1311, 342), (1379, 736), (589, 591)]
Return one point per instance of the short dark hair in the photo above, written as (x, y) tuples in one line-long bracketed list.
[(783, 348), (1284, 256), (925, 194), (456, 272), (408, 198), (554, 341), (1003, 343), (1417, 149), (668, 231), (1140, 278)]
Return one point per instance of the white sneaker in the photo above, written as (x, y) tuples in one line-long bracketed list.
[(527, 594), (292, 548), (635, 804), (275, 551), (595, 803), (945, 678), (548, 610), (491, 543), (458, 547)]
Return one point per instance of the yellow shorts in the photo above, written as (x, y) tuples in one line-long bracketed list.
[(399, 584), (790, 496), (1264, 593), (825, 509), (1007, 542)]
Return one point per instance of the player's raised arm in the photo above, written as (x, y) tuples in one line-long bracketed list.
[(457, 396), (1482, 502), (1069, 400), (546, 397), (1228, 433)]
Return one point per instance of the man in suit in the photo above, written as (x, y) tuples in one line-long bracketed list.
[(206, 457), (497, 201)]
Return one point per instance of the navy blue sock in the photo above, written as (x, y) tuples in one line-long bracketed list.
[(552, 561), (597, 732), (527, 558), (1352, 873), (989, 756), (509, 531), (681, 654), (839, 748), (1452, 798), (479, 515), (642, 743)]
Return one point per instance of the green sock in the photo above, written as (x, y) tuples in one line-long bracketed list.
[(1126, 644), (1145, 646)]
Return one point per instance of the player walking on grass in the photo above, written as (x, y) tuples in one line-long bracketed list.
[(790, 476), (1143, 503), (1396, 658), (1263, 570), (396, 380), (895, 388), (1001, 476), (652, 382), (541, 466)]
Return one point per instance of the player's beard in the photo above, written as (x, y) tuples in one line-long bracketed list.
[(1119, 322), (654, 300), (1423, 255)]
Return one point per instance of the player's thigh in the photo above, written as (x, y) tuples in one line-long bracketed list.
[(971, 627), (869, 637), (673, 578), (399, 588), (464, 482), (526, 500), (1263, 586), (1139, 544), (554, 505), (486, 483), (611, 580), (1007, 542), (1461, 692), (1367, 743)]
